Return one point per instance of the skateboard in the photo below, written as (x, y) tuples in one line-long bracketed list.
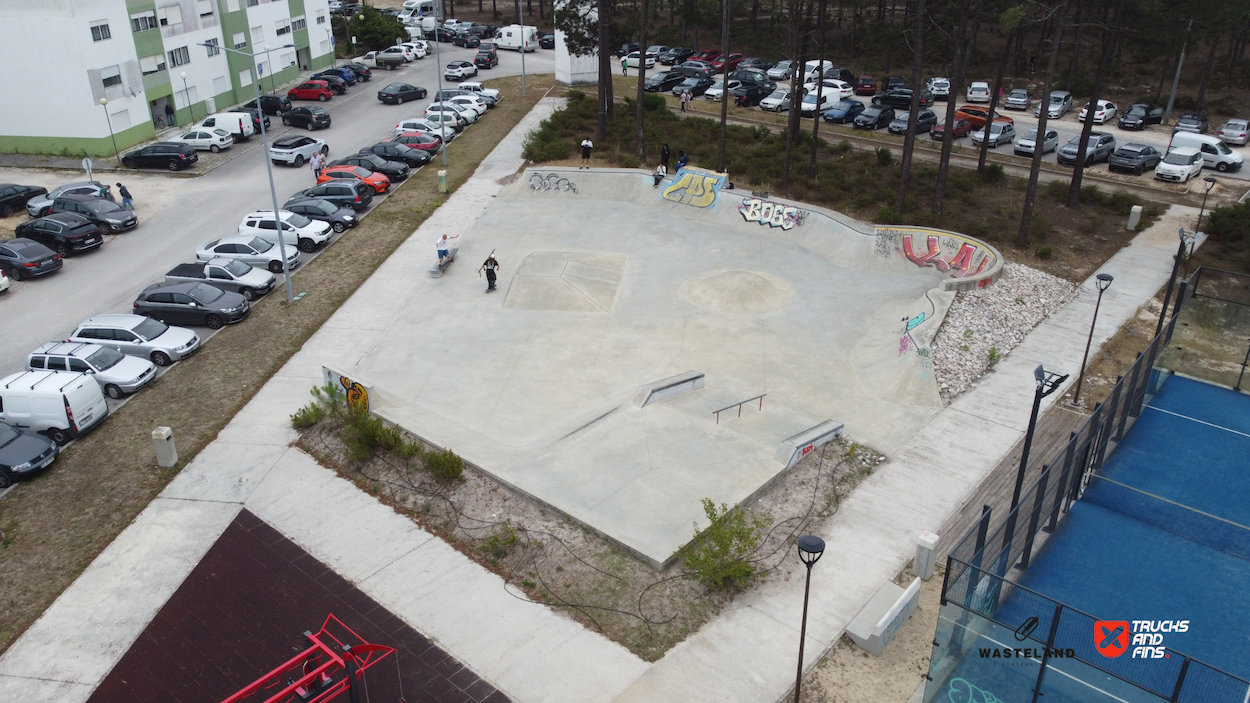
[(438, 269)]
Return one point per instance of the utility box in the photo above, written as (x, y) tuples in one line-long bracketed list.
[(163, 442), (926, 555), (1134, 217), (442, 180)]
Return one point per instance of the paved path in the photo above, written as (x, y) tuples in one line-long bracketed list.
[(525, 650)]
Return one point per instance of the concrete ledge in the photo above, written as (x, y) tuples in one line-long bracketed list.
[(874, 626), (668, 388), (800, 445)]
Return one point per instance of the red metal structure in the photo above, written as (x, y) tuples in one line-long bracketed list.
[(335, 661)]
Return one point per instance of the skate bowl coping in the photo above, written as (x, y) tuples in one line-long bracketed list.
[(970, 262)]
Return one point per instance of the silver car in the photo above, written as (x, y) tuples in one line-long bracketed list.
[(1026, 144), (41, 205), (1018, 99), (117, 374), (1058, 106), (136, 335), (252, 250)]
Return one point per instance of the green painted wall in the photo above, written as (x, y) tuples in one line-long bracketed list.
[(77, 146)]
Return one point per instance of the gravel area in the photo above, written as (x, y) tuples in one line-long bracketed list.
[(985, 324)]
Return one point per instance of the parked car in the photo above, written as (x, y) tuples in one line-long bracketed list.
[(170, 155), (459, 70), (213, 140), (399, 93), (310, 118), (662, 82), (781, 71), (694, 86), (900, 98), (241, 124), (59, 406), (961, 127), (257, 117), (354, 194), (441, 35), (467, 40), (136, 335), (489, 95), (311, 90), (14, 197), (894, 83), (197, 304), (749, 95), (1104, 112), (105, 214), (844, 111), (756, 63), (976, 116), (1235, 131), (399, 153), (386, 58), (1195, 122), (1057, 105), (696, 69), (834, 88), (394, 171), (924, 122), (776, 102), (4, 281), (297, 230), (41, 204), (362, 71), (1134, 158), (253, 251), (626, 48), (545, 41), (1027, 143), (25, 258), (418, 140), (271, 104), (421, 124), (345, 73), (295, 150), (464, 115), (227, 274), (449, 120), (487, 58), (23, 454), (117, 374), (719, 62), (841, 74), (874, 117), (339, 218), (978, 92), (675, 55), (379, 182), (655, 50), (634, 59), (64, 232), (999, 133), (1215, 153), (940, 87), (472, 102), (337, 84), (865, 85), (717, 91), (808, 107), (1099, 148), (1180, 165), (1018, 99), (1138, 115)]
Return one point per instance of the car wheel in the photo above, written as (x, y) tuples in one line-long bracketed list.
[(63, 249), (286, 122), (172, 165), (214, 322), (112, 391), (307, 245), (214, 148), (60, 436), (160, 358), (1221, 167), (248, 294), (323, 97), (299, 160), (5, 479), (129, 163), (1137, 171), (338, 227), (275, 267), (399, 101), (325, 150), (312, 126), (6, 210), (15, 274)]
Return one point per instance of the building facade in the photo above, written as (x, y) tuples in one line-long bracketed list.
[(106, 70)]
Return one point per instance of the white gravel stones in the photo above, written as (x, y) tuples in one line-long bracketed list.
[(985, 324)]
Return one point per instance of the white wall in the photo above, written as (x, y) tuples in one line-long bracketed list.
[(267, 15), (318, 40), (203, 69)]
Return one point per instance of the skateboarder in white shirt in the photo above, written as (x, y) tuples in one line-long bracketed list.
[(443, 245)]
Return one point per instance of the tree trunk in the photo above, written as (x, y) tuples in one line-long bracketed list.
[(1026, 217), (605, 74), (642, 77), (1206, 73), (1108, 43), (820, 88), (998, 87), (960, 64), (796, 86), (1076, 45), (909, 141)]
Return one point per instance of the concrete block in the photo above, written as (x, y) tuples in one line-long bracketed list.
[(875, 625), (800, 445), (669, 387)]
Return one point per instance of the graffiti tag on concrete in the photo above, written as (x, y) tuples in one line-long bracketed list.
[(697, 188), (960, 264), (772, 214), (357, 394), (961, 691)]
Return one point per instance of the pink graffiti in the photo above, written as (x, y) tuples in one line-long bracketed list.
[(959, 264)]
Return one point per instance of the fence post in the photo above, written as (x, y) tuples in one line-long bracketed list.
[(1062, 491), (1242, 375), (1108, 425), (1037, 514), (1134, 374), (1050, 643), (1180, 681)]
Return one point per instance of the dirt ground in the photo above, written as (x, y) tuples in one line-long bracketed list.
[(152, 191)]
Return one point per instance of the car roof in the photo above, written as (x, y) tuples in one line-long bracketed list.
[(75, 349), (123, 320), (69, 218), (1184, 150), (1133, 146), (175, 287), (22, 244), (80, 197)]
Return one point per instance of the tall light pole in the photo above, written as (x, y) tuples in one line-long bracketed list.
[(1103, 282), (1047, 382), (438, 59), (521, 23), (1176, 265), (334, 56), (810, 549), (187, 92), (104, 102), (1210, 181), (264, 140)]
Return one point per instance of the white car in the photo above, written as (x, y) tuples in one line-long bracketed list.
[(717, 91), (1105, 112), (832, 86), (1235, 131), (254, 251), (632, 59), (480, 89), (468, 115), (978, 92), (419, 48), (809, 106), (940, 87), (449, 119), (409, 53), (1027, 143), (1000, 133), (459, 70), (778, 101), (422, 124), (4, 281), (473, 103), (297, 230), (296, 149), (203, 138), (1180, 165)]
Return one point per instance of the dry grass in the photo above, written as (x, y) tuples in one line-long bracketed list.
[(56, 524)]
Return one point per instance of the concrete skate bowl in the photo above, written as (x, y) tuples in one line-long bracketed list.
[(611, 284)]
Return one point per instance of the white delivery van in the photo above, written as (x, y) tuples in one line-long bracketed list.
[(1215, 153), (239, 124), (61, 405), (517, 38)]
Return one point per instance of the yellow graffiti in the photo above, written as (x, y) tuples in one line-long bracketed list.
[(357, 396), (695, 189)]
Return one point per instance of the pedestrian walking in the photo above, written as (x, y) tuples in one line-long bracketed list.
[(169, 114), (685, 100), (587, 146), (315, 163), (128, 200), (664, 156), (624, 66), (491, 265), (1033, 63), (444, 245)]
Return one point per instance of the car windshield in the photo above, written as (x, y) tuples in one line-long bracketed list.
[(103, 206), (238, 268), (1031, 134), (1176, 159), (872, 112), (298, 220), (1074, 141), (1056, 99), (779, 95), (150, 329), (846, 104), (260, 244), (7, 434), (1137, 111), (1019, 94), (782, 65), (104, 358), (204, 293), (1223, 148)]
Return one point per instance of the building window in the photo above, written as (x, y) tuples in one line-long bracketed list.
[(245, 78), (240, 40), (169, 16), (232, 5), (204, 7), (287, 60), (253, 3), (321, 17), (298, 23), (143, 21), (152, 64), (212, 46), (258, 35), (100, 30), (283, 27), (111, 76), (179, 56)]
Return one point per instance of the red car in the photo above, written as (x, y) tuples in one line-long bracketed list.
[(719, 62), (311, 90), (977, 116), (418, 140), (865, 85), (708, 55), (960, 128), (379, 182)]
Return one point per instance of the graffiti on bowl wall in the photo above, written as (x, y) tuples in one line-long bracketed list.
[(948, 252), (766, 212), (697, 188)]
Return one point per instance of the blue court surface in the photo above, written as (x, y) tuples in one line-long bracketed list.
[(1176, 548)]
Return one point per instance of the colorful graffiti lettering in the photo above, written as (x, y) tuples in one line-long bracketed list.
[(906, 342), (961, 691), (694, 188), (960, 264), (772, 214), (357, 396)]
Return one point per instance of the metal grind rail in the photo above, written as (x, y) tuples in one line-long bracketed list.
[(759, 397)]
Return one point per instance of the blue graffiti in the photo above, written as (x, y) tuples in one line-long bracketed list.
[(963, 692)]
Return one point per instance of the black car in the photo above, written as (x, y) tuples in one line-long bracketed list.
[(14, 197), (753, 76), (748, 95), (271, 104), (1195, 122), (900, 98), (756, 63), (842, 74), (893, 82), (662, 82), (399, 93), (468, 41), (337, 84), (195, 303), (924, 122), (307, 117), (170, 155), (486, 58), (106, 214), (440, 34), (23, 453), (25, 258), (628, 47), (695, 86), (676, 55), (394, 151), (547, 41), (1134, 158), (65, 232), (1138, 115), (362, 71), (257, 117), (346, 193), (874, 117), (340, 218), (394, 170)]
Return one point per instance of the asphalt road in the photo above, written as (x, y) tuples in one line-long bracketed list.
[(211, 206)]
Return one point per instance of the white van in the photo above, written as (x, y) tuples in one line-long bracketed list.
[(517, 38), (814, 69), (59, 404), (238, 124), (1215, 153)]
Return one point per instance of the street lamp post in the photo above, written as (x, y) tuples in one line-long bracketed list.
[(1047, 382), (359, 18), (521, 23), (1176, 265), (1104, 282), (264, 140), (810, 549), (104, 102), (438, 60), (334, 55), (187, 92), (1210, 181)]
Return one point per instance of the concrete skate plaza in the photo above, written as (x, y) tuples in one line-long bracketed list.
[(623, 284)]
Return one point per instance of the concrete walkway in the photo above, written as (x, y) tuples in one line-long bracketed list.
[(532, 654)]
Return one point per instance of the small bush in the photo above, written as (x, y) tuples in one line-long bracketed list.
[(1045, 252), (842, 147), (545, 144), (364, 433), (760, 132), (498, 544), (1040, 227), (994, 356), (1121, 202), (445, 465), (328, 400), (575, 95), (654, 102), (1093, 195), (885, 157), (718, 554), (993, 174), (1057, 191), (888, 216)]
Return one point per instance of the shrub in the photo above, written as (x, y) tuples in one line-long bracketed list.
[(718, 554), (545, 144), (993, 174), (1057, 190), (888, 216), (498, 544), (327, 400), (885, 157), (994, 356), (1045, 252), (364, 433), (654, 102), (445, 465), (574, 95), (1122, 202), (1093, 195), (1040, 227)]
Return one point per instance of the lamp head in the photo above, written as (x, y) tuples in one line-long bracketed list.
[(1104, 281), (811, 548), (183, 75), (104, 101), (1039, 373)]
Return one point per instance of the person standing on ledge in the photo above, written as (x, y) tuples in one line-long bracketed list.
[(444, 244), (587, 146)]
